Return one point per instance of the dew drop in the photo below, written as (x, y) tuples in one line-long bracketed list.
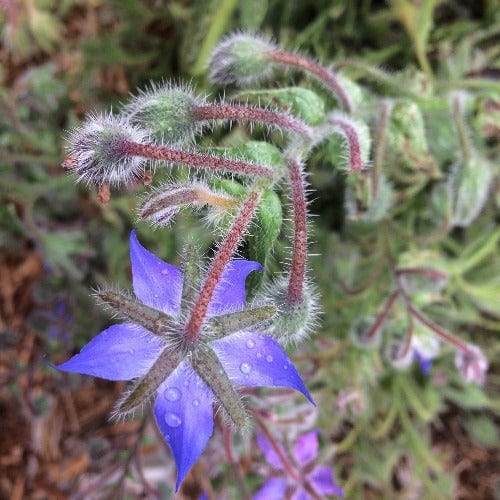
[(285, 367), (269, 358), (250, 344), (196, 402), (245, 368), (259, 355), (172, 394), (164, 271), (173, 420)]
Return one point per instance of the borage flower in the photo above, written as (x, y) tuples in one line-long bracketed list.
[(304, 479), (184, 378)]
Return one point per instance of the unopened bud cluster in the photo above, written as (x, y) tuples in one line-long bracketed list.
[(256, 191)]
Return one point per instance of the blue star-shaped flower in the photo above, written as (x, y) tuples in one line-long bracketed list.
[(183, 404)]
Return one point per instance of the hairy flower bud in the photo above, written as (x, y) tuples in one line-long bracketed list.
[(472, 364), (362, 203), (163, 203), (295, 321), (98, 154), (166, 111), (468, 188), (407, 140), (241, 59)]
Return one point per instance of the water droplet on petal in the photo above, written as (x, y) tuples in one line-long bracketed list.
[(172, 394), (259, 355), (269, 358), (250, 344), (245, 368), (173, 420), (196, 402), (164, 271), (285, 367)]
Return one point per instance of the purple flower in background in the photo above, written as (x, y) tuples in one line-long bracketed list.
[(183, 399), (424, 363), (300, 480)]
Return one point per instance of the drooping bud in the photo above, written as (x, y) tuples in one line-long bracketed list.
[(98, 151), (294, 321), (472, 364), (468, 187), (365, 204), (352, 139), (163, 203), (407, 140), (366, 332), (241, 59), (166, 111), (129, 308)]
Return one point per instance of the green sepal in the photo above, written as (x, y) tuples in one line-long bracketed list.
[(191, 267), (146, 387), (226, 324), (131, 309), (208, 366)]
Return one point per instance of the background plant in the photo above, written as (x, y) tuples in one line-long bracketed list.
[(434, 136)]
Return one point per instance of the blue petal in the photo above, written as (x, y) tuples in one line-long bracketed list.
[(322, 481), (184, 414), (121, 352), (306, 448), (230, 292), (270, 454), (256, 360), (273, 488), (156, 283)]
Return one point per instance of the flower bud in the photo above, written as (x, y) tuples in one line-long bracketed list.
[(98, 151), (472, 364), (163, 203), (406, 138), (366, 332), (293, 321), (166, 111), (362, 203), (468, 188), (241, 59)]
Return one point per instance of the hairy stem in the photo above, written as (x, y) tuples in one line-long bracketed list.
[(320, 72), (197, 160), (222, 257), (253, 115), (295, 291)]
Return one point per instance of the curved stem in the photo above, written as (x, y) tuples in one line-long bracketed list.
[(253, 115), (320, 72)]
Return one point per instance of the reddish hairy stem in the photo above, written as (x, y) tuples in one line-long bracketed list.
[(382, 316), (295, 291), (320, 72), (252, 114), (346, 129), (447, 337), (197, 160), (287, 466), (219, 262), (423, 271)]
